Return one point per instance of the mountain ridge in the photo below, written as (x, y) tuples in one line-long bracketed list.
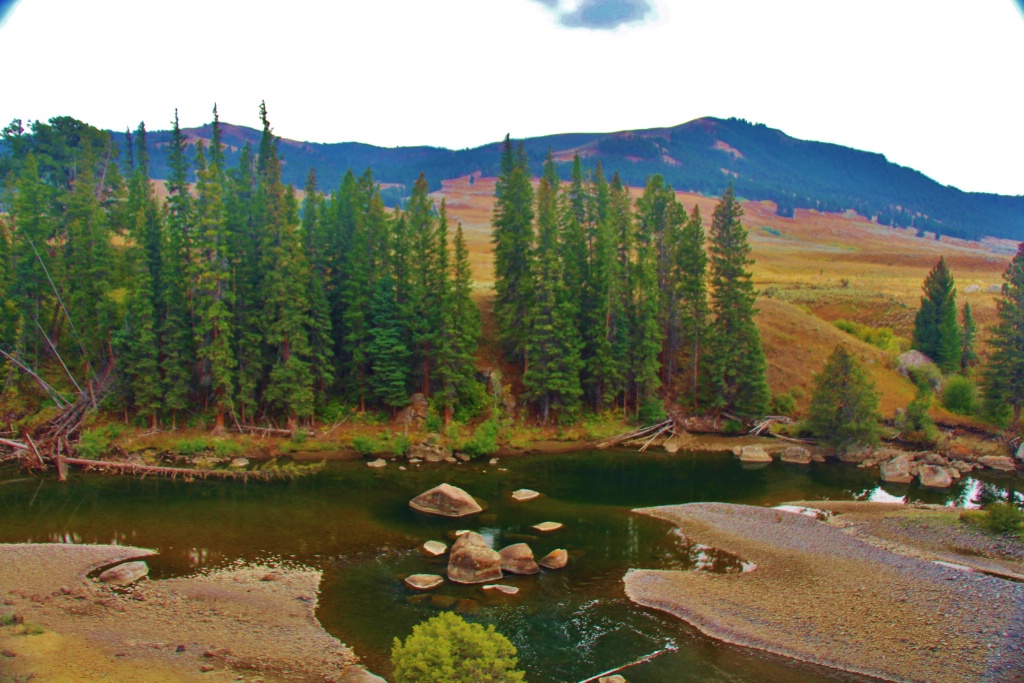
[(702, 155)]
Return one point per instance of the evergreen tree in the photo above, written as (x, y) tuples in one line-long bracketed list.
[(513, 239), (427, 279), (317, 243), (844, 406), (30, 260), (936, 333), (968, 332), (139, 361), (625, 320), (693, 302), (1003, 377), (738, 363), (387, 353), (212, 295)]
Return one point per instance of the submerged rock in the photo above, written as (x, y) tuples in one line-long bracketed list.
[(433, 548), (445, 500), (124, 574), (796, 455), (472, 561), (499, 588), (518, 559), (556, 559), (523, 495), (935, 477), (897, 470), (424, 582)]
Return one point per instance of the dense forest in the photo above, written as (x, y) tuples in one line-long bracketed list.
[(233, 299), (702, 156)]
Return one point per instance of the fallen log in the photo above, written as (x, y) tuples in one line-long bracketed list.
[(633, 435), (656, 435), (18, 446), (671, 647), (264, 430), (174, 472)]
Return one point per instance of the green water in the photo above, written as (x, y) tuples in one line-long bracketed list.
[(354, 524)]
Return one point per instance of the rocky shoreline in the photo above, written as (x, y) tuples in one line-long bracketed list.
[(244, 623), (824, 595)]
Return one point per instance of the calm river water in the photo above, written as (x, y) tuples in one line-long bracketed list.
[(354, 524)]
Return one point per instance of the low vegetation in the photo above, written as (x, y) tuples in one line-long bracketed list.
[(447, 648)]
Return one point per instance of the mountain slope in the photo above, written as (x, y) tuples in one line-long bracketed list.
[(703, 155)]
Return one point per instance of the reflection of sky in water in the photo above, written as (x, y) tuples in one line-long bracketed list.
[(879, 495)]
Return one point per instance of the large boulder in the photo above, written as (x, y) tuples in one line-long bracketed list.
[(998, 462), (935, 477), (797, 455), (934, 459), (556, 559), (447, 501), (751, 454), (518, 559), (897, 470), (429, 453), (971, 289), (472, 561), (994, 289), (124, 574)]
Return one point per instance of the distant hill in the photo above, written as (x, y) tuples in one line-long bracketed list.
[(702, 156)]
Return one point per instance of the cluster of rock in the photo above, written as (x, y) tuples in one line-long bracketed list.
[(931, 469), (471, 560), (796, 455)]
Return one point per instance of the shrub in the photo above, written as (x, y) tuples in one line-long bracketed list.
[(1004, 518), (93, 444), (733, 427), (447, 648), (484, 440), (960, 395), (434, 423), (226, 448), (364, 445), (190, 446), (881, 337), (400, 446), (915, 423), (926, 377), (783, 404), (651, 412)]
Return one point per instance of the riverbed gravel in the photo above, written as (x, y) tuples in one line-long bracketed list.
[(822, 594)]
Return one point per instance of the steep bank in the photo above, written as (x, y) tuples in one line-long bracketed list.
[(824, 596)]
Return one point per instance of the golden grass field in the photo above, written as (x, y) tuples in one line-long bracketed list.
[(813, 269)]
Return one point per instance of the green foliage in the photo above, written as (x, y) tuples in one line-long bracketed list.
[(227, 448), (733, 427), (936, 331), (1003, 377), (998, 518), (881, 337), (484, 440), (365, 445), (433, 423), (783, 404), (190, 447), (400, 445), (915, 424), (960, 395), (926, 377), (843, 410), (447, 648), (651, 411), (95, 443)]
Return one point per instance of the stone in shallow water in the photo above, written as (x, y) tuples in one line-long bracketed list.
[(445, 500), (423, 582), (499, 588), (935, 477), (897, 470), (556, 559), (378, 463), (433, 548), (240, 462), (518, 559), (472, 561), (612, 679), (752, 454), (796, 455), (124, 574), (547, 526), (997, 462), (523, 495)]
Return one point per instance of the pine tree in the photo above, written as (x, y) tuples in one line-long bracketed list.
[(622, 236), (139, 360), (844, 406), (213, 296), (513, 238), (738, 362), (317, 243), (427, 279), (1003, 377), (30, 261), (692, 295), (387, 353), (968, 332), (936, 333)]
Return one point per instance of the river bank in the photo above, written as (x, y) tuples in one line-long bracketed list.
[(243, 623), (836, 594)]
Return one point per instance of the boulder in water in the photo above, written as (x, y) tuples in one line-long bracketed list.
[(124, 574), (378, 463), (897, 470), (499, 588), (518, 559), (548, 526), (998, 462), (796, 455), (556, 559), (751, 454), (472, 561), (523, 495), (934, 476), (433, 548), (447, 501)]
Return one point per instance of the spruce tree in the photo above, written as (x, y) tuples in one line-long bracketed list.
[(316, 239), (968, 332), (844, 406), (427, 279), (513, 238), (738, 365), (387, 353), (692, 295), (1003, 377), (936, 333), (139, 361)]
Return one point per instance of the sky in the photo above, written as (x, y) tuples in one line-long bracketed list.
[(933, 84)]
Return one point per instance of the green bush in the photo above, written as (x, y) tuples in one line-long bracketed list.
[(226, 448), (915, 423), (1004, 518), (733, 427), (651, 412), (484, 440), (925, 377), (93, 444), (365, 445), (400, 446), (447, 648), (783, 404), (844, 406), (434, 422), (190, 447), (960, 395), (881, 337)]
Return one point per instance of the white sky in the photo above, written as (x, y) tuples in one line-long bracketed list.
[(932, 84)]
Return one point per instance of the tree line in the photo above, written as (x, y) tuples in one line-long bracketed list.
[(230, 296), (604, 301)]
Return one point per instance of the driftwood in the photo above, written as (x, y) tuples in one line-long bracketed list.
[(671, 647), (658, 433), (271, 431), (633, 435)]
